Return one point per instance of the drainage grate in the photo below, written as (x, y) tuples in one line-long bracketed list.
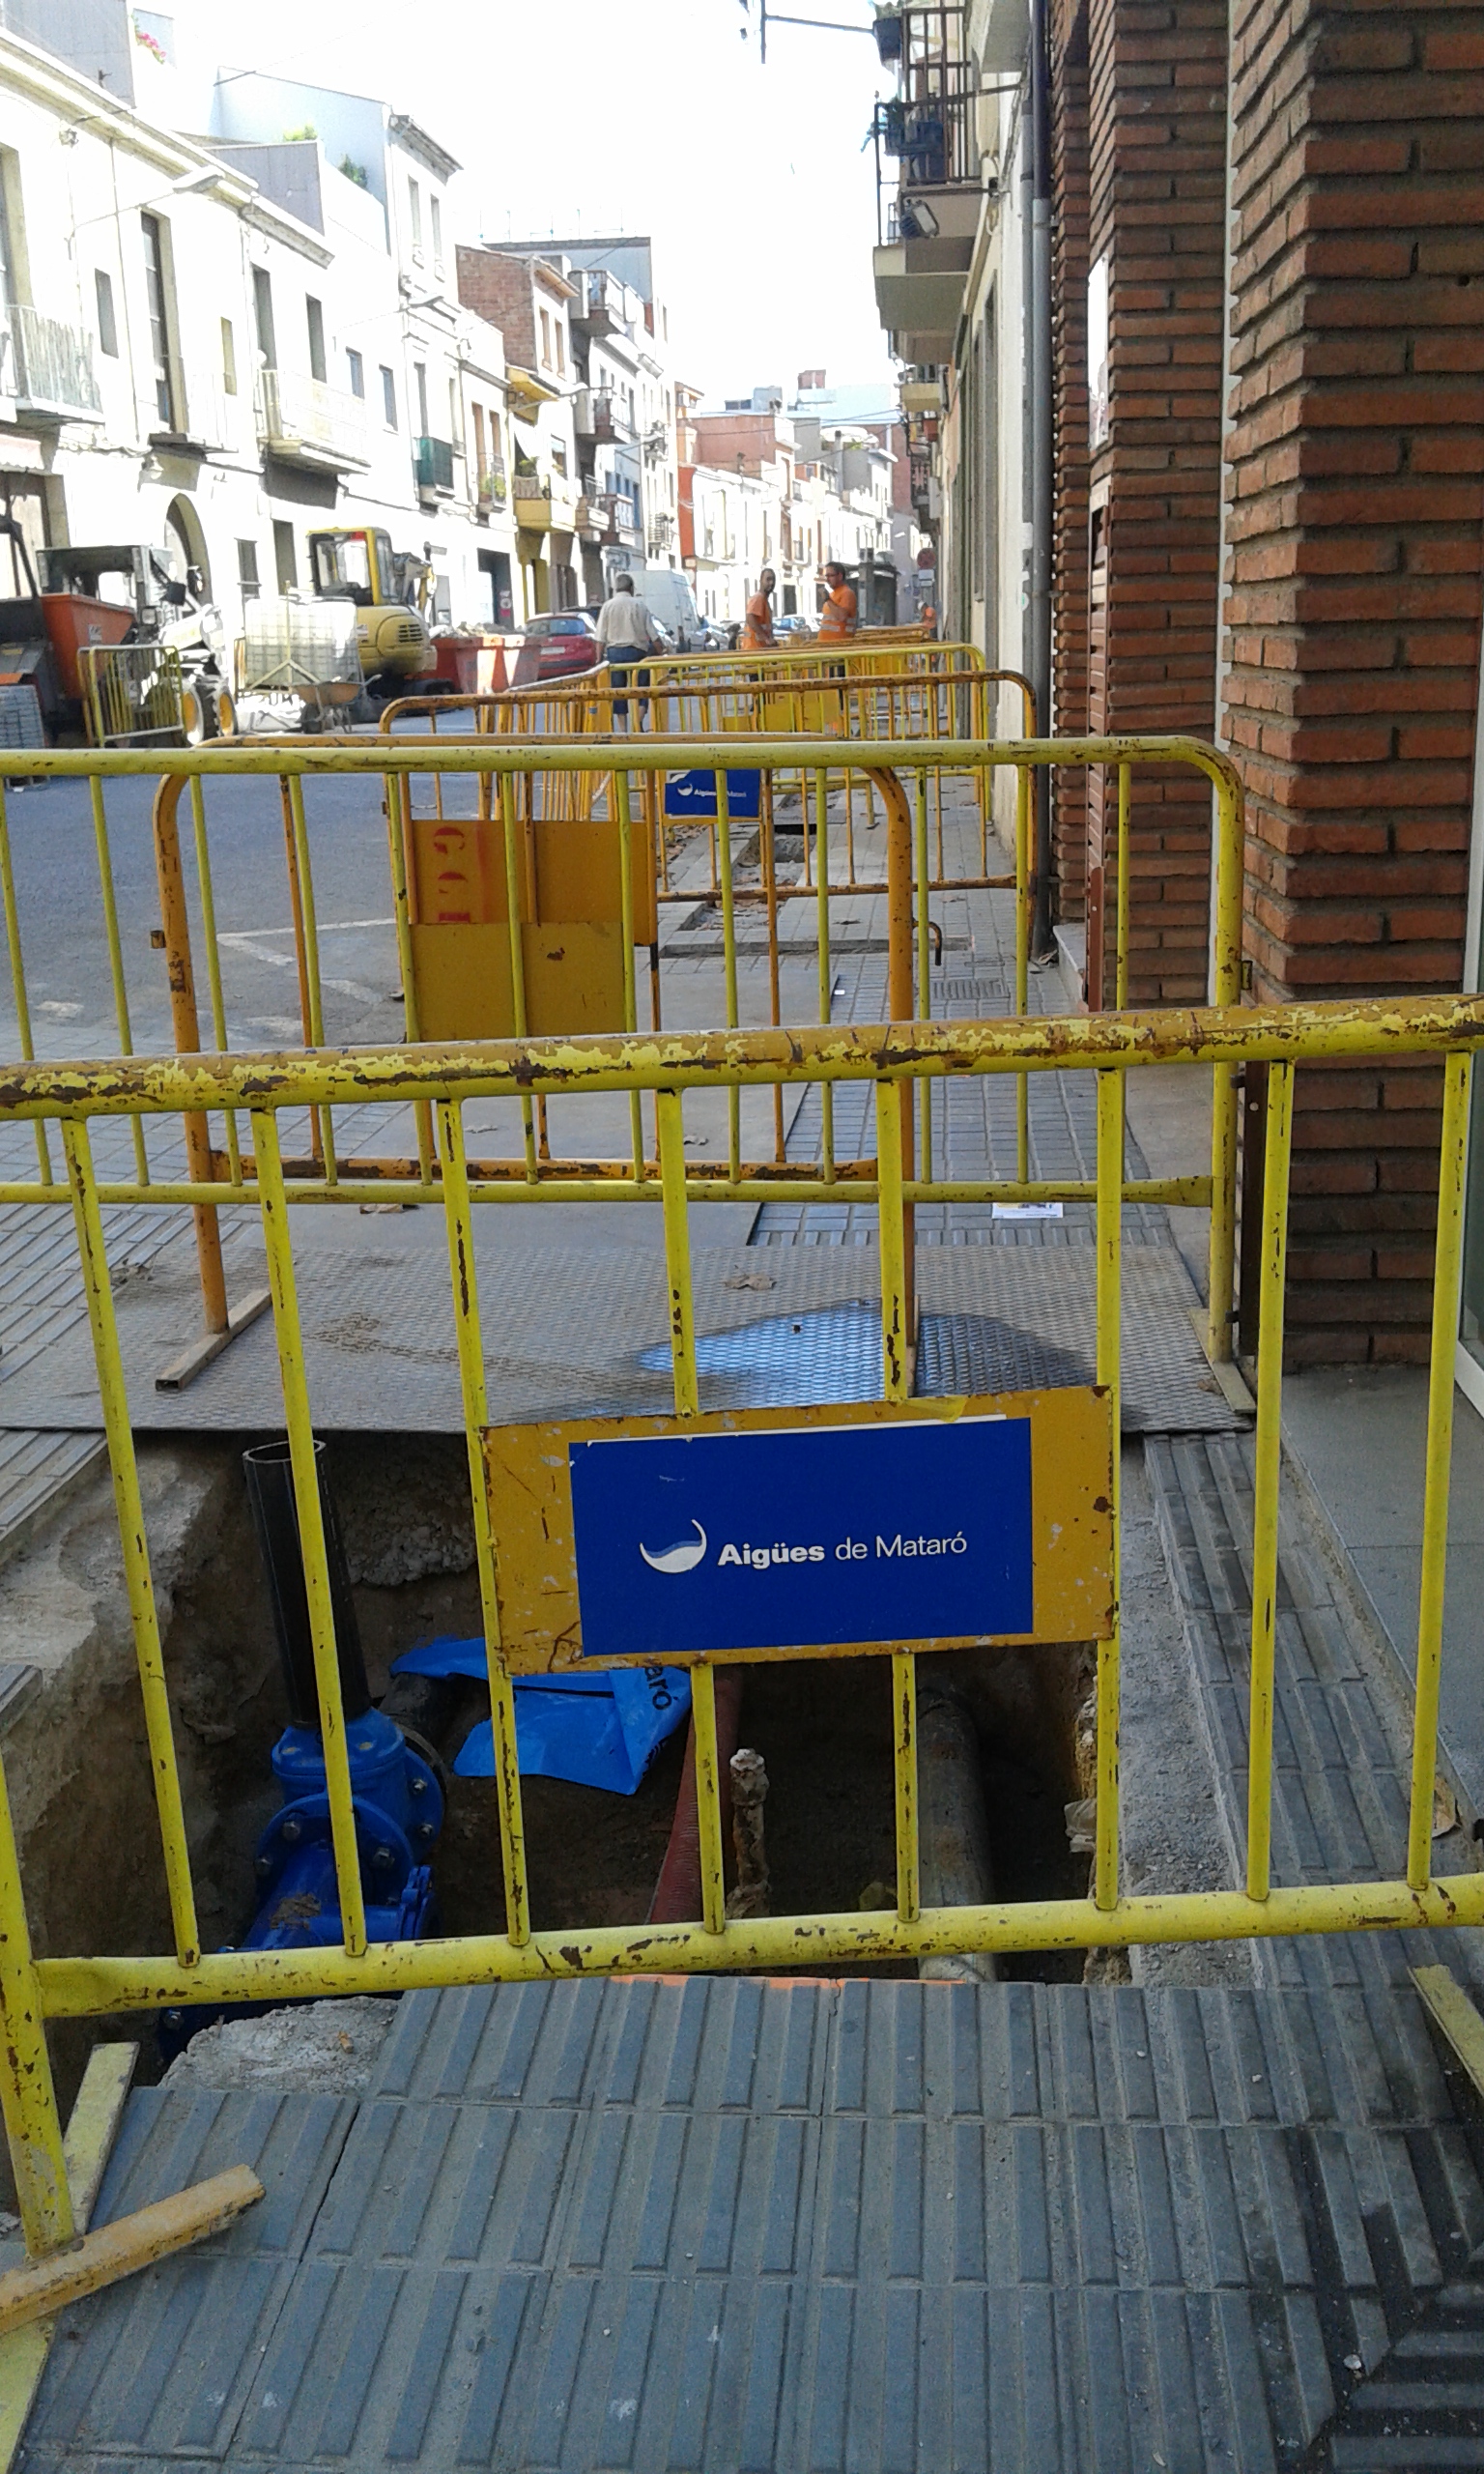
[(970, 991)]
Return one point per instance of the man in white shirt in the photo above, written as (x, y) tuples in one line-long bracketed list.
[(625, 633)]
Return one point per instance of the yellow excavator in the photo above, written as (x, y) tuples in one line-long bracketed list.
[(392, 589)]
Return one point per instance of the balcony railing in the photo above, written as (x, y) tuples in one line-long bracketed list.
[(209, 419), (307, 423), (49, 367), (433, 464), (609, 420)]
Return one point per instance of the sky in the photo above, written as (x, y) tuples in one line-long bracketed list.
[(641, 116)]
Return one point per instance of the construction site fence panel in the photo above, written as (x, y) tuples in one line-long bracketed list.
[(524, 914), (901, 707), (898, 1064), (131, 693)]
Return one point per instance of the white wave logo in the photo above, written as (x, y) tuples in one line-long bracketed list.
[(682, 1558)]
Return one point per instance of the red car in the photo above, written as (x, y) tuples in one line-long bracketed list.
[(557, 646)]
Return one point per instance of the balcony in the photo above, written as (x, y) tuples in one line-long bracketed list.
[(597, 305), (532, 503), (920, 287), (49, 368), (433, 467), (600, 415), (207, 423), (301, 420)]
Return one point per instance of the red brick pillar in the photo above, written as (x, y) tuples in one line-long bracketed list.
[(1156, 79), (1069, 204), (1353, 559)]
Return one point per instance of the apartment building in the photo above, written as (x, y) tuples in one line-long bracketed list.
[(822, 492), (531, 299), (214, 343), (1190, 309), (615, 341)]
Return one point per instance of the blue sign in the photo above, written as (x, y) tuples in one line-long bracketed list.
[(694, 794), (802, 1536)]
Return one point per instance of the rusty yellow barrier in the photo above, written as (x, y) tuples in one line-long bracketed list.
[(892, 1061), (530, 797)]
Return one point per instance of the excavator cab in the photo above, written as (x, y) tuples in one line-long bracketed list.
[(387, 587)]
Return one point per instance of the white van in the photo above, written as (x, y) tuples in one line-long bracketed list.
[(669, 597)]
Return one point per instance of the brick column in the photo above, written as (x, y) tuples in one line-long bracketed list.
[(1158, 85), (1069, 204), (1353, 534)]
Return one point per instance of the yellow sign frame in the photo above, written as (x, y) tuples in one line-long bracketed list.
[(528, 1489)]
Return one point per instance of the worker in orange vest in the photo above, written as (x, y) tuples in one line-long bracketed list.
[(758, 634), (837, 620)]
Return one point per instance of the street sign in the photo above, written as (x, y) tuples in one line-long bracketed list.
[(694, 793), (807, 1531), (728, 1542)]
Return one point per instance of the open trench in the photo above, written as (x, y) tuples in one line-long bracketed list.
[(77, 1761)]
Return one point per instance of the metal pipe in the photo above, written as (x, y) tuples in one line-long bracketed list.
[(270, 1476), (1038, 357), (952, 1822)]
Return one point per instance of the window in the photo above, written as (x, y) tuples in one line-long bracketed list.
[(248, 570), (436, 218), (228, 358), (357, 372), (480, 466), (389, 399), (546, 341), (14, 286), (559, 456), (420, 384), (159, 320), (455, 421), (315, 316), (415, 217), (562, 347), (285, 558), (263, 316), (107, 326)]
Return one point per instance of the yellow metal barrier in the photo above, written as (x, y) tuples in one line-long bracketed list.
[(132, 692), (869, 651), (891, 1060), (538, 785), (897, 707)]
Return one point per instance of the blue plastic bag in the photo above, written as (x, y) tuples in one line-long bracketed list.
[(597, 1727)]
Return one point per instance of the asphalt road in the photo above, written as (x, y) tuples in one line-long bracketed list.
[(64, 938)]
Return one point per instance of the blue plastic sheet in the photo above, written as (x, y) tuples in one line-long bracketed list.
[(600, 1727)]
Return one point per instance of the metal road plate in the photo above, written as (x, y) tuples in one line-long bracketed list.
[(574, 1334), (591, 1560)]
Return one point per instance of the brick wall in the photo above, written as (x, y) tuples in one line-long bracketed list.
[(498, 288), (1157, 81), (1069, 202), (1352, 609)]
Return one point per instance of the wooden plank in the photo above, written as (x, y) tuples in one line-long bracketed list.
[(87, 2147), (132, 2242), (1456, 2016)]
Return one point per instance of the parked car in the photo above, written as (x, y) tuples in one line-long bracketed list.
[(555, 647), (794, 624)]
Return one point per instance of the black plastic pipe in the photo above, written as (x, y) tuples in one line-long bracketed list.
[(276, 1518)]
